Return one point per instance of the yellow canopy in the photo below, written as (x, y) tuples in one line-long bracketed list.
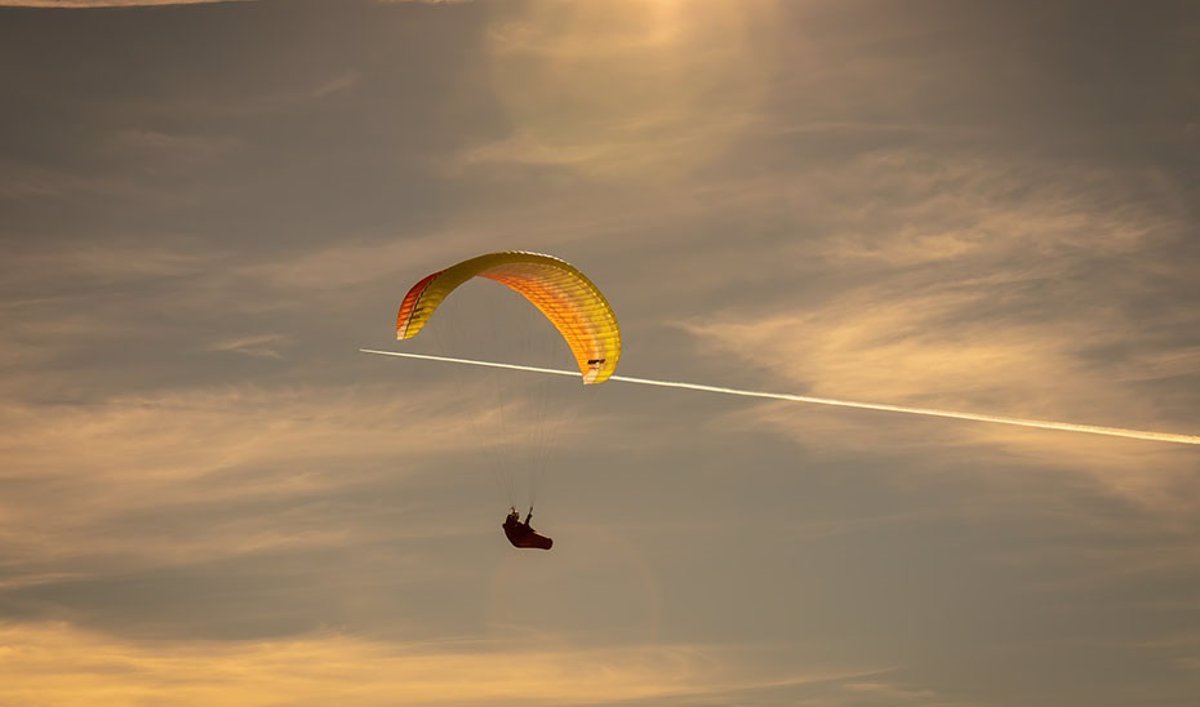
[(572, 303)]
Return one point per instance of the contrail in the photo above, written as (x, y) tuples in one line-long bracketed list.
[(928, 412)]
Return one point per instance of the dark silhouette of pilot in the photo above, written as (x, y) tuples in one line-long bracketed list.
[(521, 534)]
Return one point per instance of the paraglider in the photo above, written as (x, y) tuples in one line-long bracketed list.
[(521, 534), (563, 294)]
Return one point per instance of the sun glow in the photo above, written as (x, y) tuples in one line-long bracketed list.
[(624, 89)]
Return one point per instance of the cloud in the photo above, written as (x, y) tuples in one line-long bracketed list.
[(23, 182), (830, 198), (423, 2), (929, 350), (161, 154), (260, 346), (80, 477), (127, 164), (61, 300), (139, 513), (344, 264), (61, 664), (621, 92), (341, 82), (31, 183), (637, 156), (961, 286), (892, 694), (954, 348), (86, 4), (115, 262)]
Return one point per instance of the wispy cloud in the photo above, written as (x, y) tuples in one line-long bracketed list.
[(61, 664), (158, 153), (57, 301), (341, 82), (112, 263), (85, 4), (640, 77), (24, 182), (77, 475), (340, 265), (893, 694), (907, 352), (963, 287), (259, 346)]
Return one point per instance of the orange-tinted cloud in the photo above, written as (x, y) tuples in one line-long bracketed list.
[(59, 664)]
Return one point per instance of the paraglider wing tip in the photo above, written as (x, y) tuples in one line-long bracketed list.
[(593, 372)]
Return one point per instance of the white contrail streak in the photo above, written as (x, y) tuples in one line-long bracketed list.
[(929, 412)]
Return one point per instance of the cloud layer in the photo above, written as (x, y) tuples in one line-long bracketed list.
[(208, 495)]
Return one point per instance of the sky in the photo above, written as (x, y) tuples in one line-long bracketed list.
[(209, 496)]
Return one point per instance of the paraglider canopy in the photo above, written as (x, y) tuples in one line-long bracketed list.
[(572, 303)]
